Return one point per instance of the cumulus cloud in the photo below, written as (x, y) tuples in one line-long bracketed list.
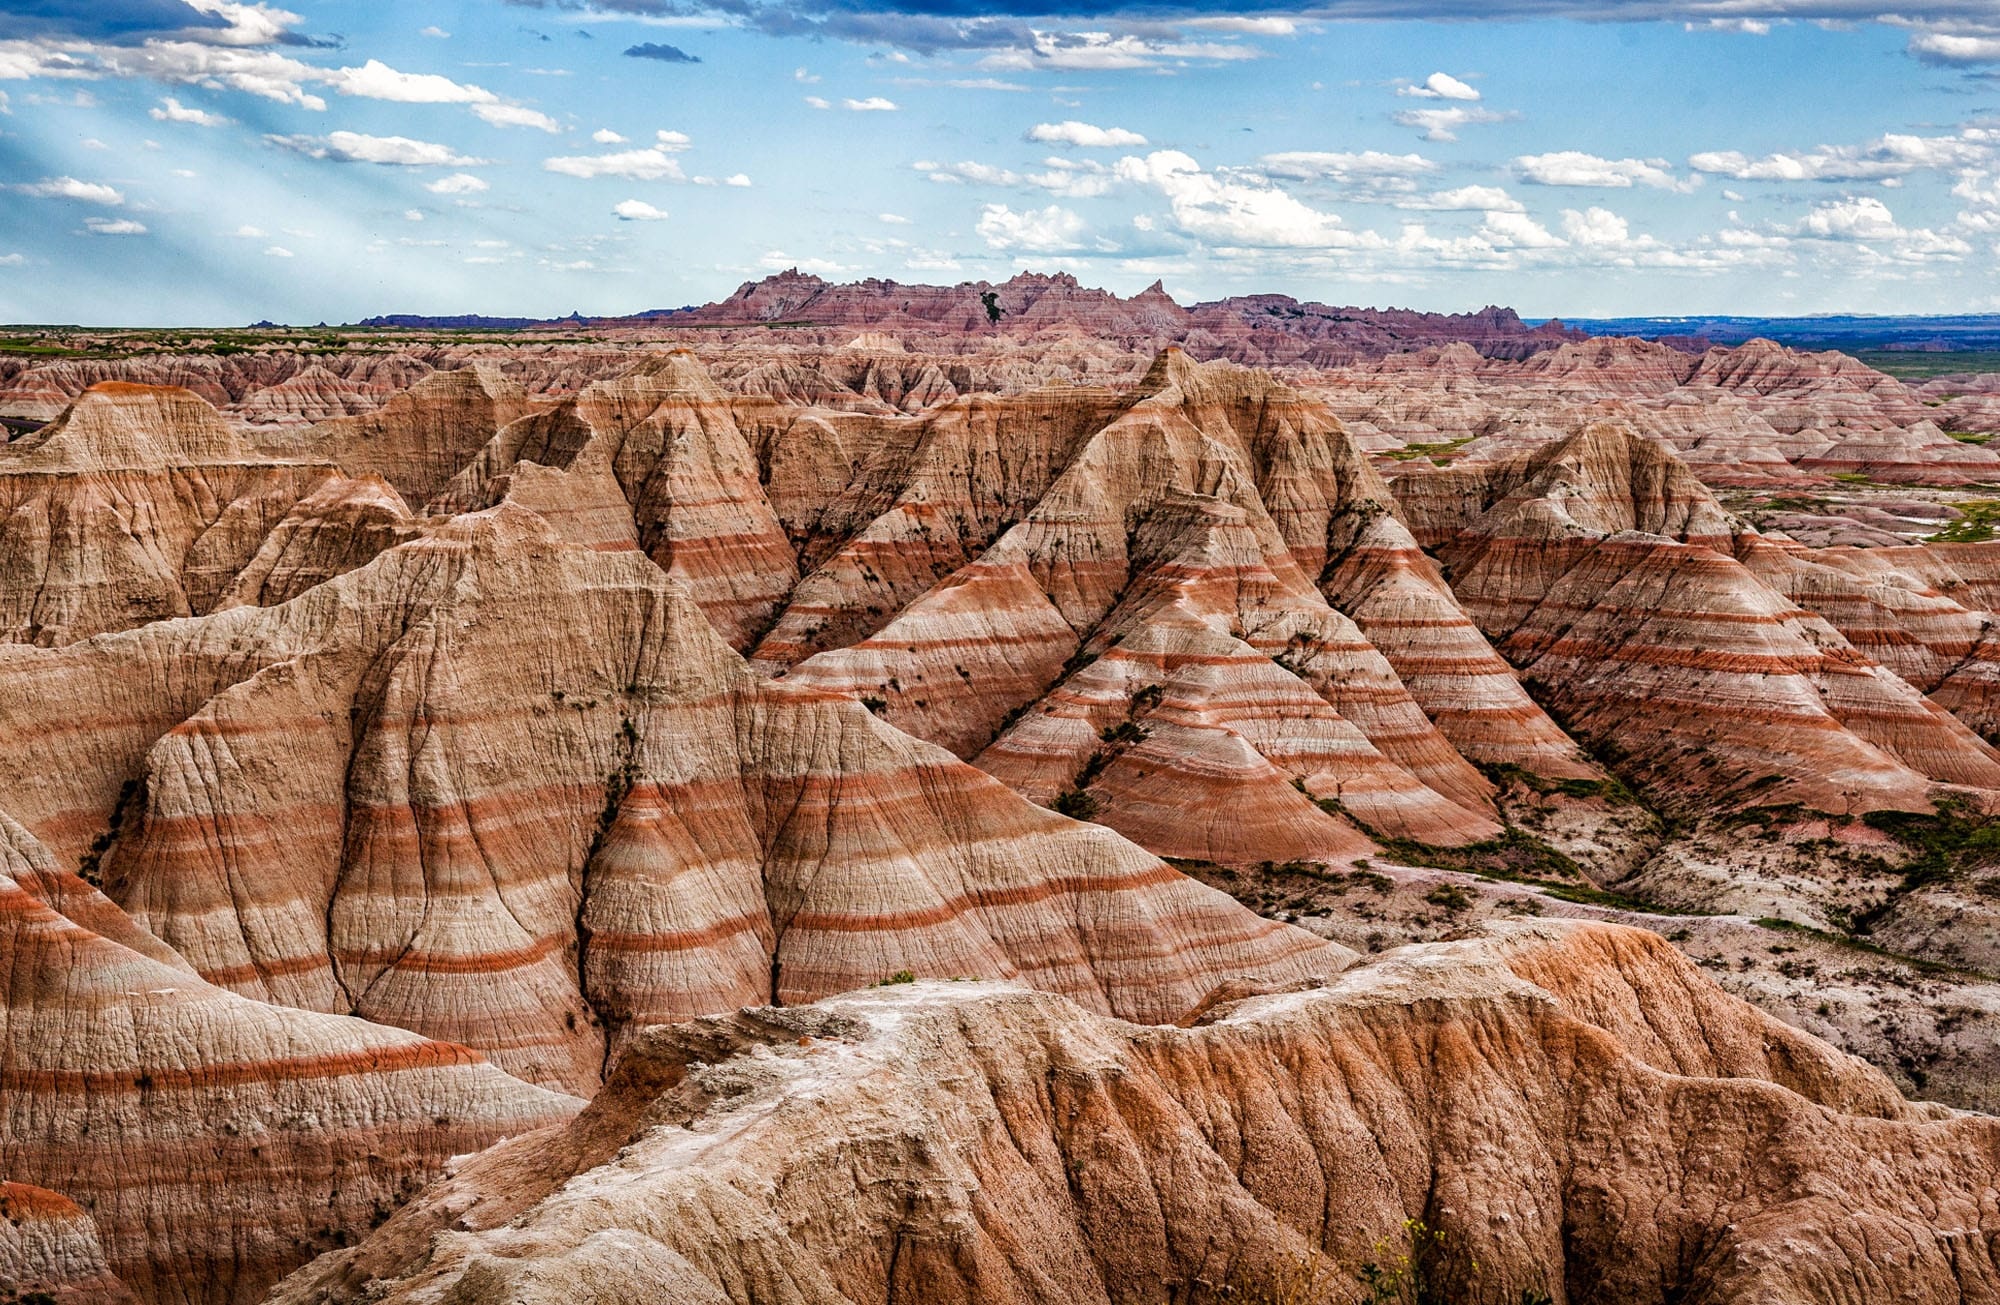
[(638, 210), (1445, 124), (606, 136), (172, 110), (1233, 210), (1484, 199), (515, 115), (83, 192), (1440, 86), (660, 53), (1083, 135), (1862, 217), (654, 163), (458, 183), (355, 147), (1948, 48), (376, 80), (277, 251), (1596, 227), (1892, 155), (1518, 231), (1575, 168), (873, 104), (1037, 231)]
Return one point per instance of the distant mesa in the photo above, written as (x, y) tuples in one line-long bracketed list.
[(1266, 329)]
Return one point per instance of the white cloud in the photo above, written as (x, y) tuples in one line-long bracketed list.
[(1862, 217), (737, 179), (248, 232), (515, 115), (1073, 178), (893, 219), (1596, 228), (978, 174), (1440, 86), (1103, 52), (1083, 135), (654, 163), (1575, 168), (114, 226), (171, 110), (818, 103), (1484, 199), (354, 147), (1245, 26), (804, 76), (376, 80), (606, 136), (12, 260), (458, 183), (83, 192), (1892, 155), (1444, 124), (1950, 48), (435, 33), (1307, 165), (1230, 211), (1517, 231), (873, 104), (1038, 231), (278, 251), (638, 210), (413, 215)]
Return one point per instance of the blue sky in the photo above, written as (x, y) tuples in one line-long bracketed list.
[(204, 161)]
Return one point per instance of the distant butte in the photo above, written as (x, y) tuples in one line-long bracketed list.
[(1266, 328)]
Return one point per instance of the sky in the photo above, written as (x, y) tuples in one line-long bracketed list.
[(208, 162)]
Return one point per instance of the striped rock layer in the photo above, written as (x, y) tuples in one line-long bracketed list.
[(1576, 1111), (451, 780), (517, 794), (195, 1144)]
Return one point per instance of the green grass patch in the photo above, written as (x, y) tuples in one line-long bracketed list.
[(1909, 365), (1439, 452), (1976, 526)]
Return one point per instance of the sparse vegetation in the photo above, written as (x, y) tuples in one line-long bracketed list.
[(1975, 524), (1076, 804)]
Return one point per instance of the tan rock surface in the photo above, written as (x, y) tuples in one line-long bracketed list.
[(1572, 1107)]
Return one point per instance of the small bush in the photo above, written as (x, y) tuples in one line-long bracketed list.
[(1076, 804)]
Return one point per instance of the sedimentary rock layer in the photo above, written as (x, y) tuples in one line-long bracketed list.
[(1572, 1109)]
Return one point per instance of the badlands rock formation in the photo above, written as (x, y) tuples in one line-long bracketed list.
[(410, 745), (1573, 1109)]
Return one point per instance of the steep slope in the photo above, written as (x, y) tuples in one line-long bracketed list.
[(1573, 1109), (667, 438), (137, 504), (516, 793), (1152, 552), (421, 437), (1604, 571), (212, 1142)]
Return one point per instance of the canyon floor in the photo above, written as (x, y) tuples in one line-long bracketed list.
[(840, 796)]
